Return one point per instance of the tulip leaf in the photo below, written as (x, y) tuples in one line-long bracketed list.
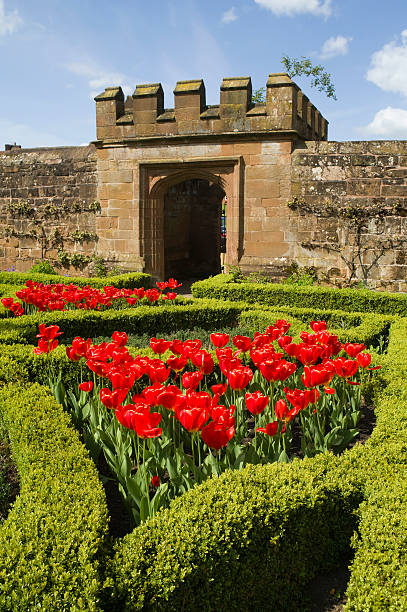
[(144, 510)]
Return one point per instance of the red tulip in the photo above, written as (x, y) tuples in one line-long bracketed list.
[(256, 402), (112, 399), (177, 363), (242, 343), (317, 326), (309, 355), (219, 389), (146, 424), (193, 419), (364, 359), (219, 340), (203, 361), (345, 368), (191, 380), (216, 436), (155, 481), (86, 386), (152, 393), (119, 338), (353, 349), (160, 345), (173, 284), (239, 378), (168, 397), (270, 429), (49, 333)]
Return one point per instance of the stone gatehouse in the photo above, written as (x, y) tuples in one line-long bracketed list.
[(155, 190)]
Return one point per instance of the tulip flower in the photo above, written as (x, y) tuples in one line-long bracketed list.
[(353, 349), (159, 345), (239, 378), (155, 481), (318, 326), (270, 429), (191, 380), (256, 402), (219, 340), (119, 338), (217, 436), (242, 343), (203, 361), (86, 386)]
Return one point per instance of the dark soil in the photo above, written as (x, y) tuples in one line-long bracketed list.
[(9, 482)]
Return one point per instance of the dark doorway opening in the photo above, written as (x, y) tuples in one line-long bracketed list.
[(192, 229)]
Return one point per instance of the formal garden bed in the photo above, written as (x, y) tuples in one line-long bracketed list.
[(252, 538)]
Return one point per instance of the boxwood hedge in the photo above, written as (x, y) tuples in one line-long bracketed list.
[(52, 543), (247, 540), (224, 287), (128, 281)]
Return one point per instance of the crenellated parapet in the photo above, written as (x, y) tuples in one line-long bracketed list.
[(143, 114)]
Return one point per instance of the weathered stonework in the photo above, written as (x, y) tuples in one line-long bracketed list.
[(365, 178), (45, 195), (149, 161)]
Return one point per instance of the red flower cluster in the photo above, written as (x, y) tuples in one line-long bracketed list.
[(58, 296), (47, 339), (199, 411)]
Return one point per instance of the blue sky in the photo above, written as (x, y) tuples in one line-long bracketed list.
[(55, 56)]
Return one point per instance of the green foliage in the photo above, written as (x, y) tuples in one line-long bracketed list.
[(320, 79), (205, 547), (52, 540), (259, 96), (128, 281), (79, 236), (43, 267), (224, 287), (300, 276), (208, 314)]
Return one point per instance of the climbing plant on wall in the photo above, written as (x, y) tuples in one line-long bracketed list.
[(363, 243)]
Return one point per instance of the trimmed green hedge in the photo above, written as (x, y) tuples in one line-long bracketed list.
[(206, 546), (52, 542), (208, 314), (126, 281), (247, 540), (223, 287), (379, 571), (367, 328)]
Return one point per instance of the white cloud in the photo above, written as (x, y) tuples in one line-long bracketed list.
[(388, 123), (229, 15), (9, 22), (292, 7), (335, 46), (98, 78), (388, 66)]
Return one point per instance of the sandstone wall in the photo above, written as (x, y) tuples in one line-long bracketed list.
[(47, 203), (338, 187), (133, 181)]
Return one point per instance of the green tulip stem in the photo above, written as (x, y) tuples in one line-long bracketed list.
[(146, 477)]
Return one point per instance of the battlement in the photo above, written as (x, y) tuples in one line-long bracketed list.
[(143, 114)]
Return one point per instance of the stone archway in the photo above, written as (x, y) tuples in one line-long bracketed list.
[(221, 176), (192, 229)]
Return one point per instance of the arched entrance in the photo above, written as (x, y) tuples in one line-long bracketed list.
[(192, 229), (165, 188)]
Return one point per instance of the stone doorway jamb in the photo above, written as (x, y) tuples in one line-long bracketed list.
[(157, 176)]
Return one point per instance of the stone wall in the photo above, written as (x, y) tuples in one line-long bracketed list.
[(349, 211), (48, 203)]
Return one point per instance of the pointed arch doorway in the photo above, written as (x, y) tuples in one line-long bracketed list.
[(180, 216)]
